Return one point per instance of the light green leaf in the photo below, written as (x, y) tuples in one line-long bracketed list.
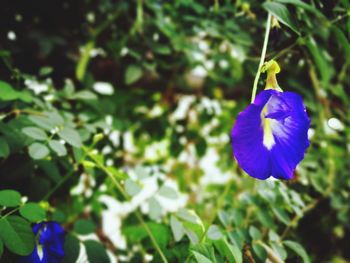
[(167, 192), (131, 187), (45, 71), (298, 249), (17, 235), (282, 14), (38, 151), (177, 228), (33, 212), (133, 73), (4, 148), (155, 209), (58, 147), (84, 95), (201, 258), (10, 198), (35, 133), (42, 121), (214, 233), (255, 233), (71, 136), (7, 92)]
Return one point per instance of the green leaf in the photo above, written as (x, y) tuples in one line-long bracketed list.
[(303, 5), (133, 73), (35, 133), (84, 226), (45, 71), (177, 228), (281, 215), (255, 233), (260, 252), (96, 252), (203, 253), (325, 70), (155, 209), (342, 40), (1, 248), (43, 122), (38, 151), (167, 192), (282, 14), (10, 198), (71, 136), (232, 253), (131, 187), (17, 235), (7, 92), (201, 258), (298, 249), (214, 232), (4, 148), (84, 95), (71, 249), (58, 147), (138, 233), (33, 212)]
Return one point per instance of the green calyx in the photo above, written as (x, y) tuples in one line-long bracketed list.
[(271, 68)]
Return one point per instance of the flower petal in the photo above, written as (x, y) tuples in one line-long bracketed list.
[(247, 139), (290, 134)]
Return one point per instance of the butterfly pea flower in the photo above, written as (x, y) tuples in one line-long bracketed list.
[(269, 137), (49, 247)]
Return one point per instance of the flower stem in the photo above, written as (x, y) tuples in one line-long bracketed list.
[(262, 57)]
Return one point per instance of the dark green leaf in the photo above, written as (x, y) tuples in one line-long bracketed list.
[(96, 252), (71, 249), (298, 249), (17, 235), (84, 227), (33, 212), (4, 148), (281, 12)]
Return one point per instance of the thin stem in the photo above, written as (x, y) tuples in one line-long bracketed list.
[(125, 195), (262, 57)]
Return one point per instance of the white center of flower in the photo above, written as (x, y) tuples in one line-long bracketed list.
[(268, 139), (40, 251)]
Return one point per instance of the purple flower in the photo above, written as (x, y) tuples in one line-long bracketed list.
[(50, 241), (269, 137)]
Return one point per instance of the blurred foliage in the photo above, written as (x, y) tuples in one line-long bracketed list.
[(116, 117)]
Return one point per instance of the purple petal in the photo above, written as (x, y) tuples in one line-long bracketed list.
[(269, 137), (247, 139)]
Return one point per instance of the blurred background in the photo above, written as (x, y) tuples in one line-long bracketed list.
[(146, 92)]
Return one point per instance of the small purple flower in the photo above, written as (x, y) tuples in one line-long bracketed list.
[(269, 137), (50, 241)]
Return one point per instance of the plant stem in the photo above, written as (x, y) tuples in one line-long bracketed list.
[(262, 57), (126, 197)]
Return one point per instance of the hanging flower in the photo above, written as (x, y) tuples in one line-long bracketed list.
[(269, 137), (49, 248)]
